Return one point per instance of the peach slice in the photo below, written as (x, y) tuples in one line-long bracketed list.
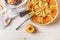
[(34, 18), (49, 1), (30, 6), (30, 28), (46, 19), (54, 11)]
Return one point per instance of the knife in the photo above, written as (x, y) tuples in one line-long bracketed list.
[(27, 18), (21, 14)]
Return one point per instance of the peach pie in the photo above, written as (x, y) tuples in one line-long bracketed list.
[(45, 10)]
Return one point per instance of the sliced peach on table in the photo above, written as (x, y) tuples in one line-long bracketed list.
[(30, 28)]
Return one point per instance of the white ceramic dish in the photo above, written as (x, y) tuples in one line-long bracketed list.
[(15, 6)]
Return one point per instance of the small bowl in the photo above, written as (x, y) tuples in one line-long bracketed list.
[(15, 6)]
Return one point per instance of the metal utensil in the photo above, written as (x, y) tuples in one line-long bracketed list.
[(21, 14), (24, 21)]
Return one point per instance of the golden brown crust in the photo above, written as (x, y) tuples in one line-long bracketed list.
[(47, 13)]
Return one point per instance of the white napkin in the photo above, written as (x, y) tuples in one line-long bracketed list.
[(5, 13)]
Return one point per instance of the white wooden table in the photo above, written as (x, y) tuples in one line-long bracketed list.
[(49, 32)]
